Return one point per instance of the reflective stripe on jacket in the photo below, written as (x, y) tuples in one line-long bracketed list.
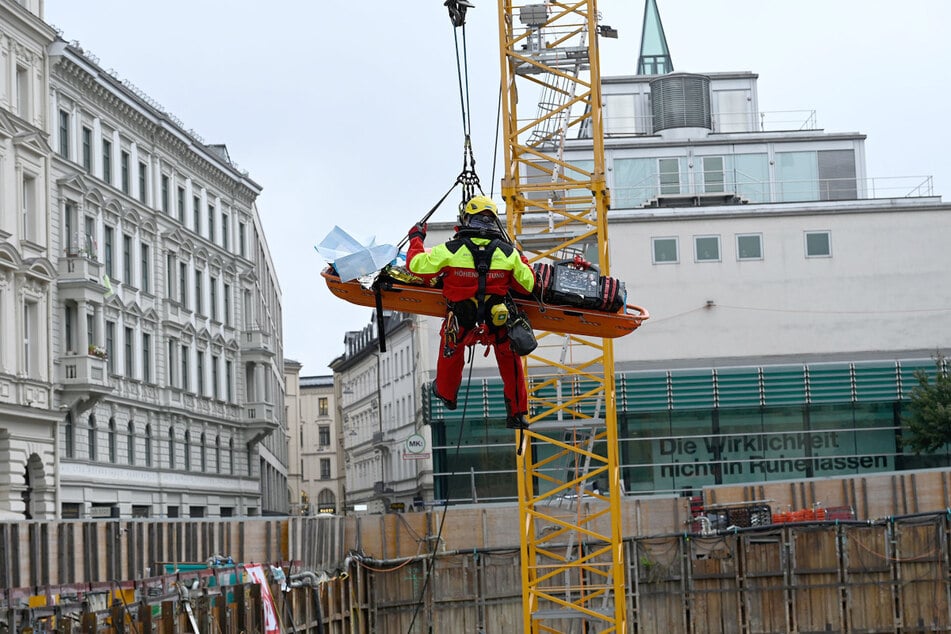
[(508, 268)]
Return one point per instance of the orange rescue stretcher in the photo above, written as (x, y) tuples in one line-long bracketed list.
[(426, 300)]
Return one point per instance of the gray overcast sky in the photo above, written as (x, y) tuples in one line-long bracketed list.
[(347, 112)]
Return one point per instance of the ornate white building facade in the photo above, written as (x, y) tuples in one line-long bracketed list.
[(140, 303), (388, 447)]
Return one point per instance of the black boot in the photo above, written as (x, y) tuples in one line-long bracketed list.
[(450, 405), (516, 421)]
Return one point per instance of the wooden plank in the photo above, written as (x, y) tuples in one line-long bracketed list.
[(815, 580), (764, 589), (713, 598), (659, 586), (868, 579), (922, 573)]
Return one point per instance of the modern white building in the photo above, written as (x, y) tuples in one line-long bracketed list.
[(388, 448), (140, 356), (792, 295)]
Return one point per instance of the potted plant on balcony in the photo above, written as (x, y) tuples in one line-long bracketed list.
[(97, 351)]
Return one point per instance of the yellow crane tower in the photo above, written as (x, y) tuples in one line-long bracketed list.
[(568, 477)]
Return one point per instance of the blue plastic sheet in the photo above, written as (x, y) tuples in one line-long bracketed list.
[(351, 258)]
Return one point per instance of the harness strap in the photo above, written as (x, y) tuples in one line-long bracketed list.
[(482, 256)]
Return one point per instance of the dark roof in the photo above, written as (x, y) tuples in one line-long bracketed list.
[(317, 381)]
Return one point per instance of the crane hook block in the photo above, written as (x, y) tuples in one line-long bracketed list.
[(457, 11)]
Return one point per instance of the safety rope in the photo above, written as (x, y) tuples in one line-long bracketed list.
[(431, 561), (467, 177)]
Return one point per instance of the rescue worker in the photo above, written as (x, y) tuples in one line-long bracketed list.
[(477, 267)]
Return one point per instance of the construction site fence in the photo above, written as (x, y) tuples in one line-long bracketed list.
[(887, 575)]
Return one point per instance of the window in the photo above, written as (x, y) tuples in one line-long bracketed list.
[(211, 222), (200, 372), (669, 173), (215, 390), (664, 250), (188, 451), (89, 243), (127, 259), (818, 244), (797, 176), (146, 357), (108, 245), (31, 333), (707, 248), (23, 92), (144, 267), (111, 346), (29, 207), (130, 442), (64, 134), (325, 468), (112, 440), (87, 149), (242, 239), (183, 284), (322, 406), (170, 275), (69, 212), (749, 247), (202, 457), (143, 180), (323, 435), (713, 174), (124, 171), (171, 448), (129, 358), (184, 361), (213, 297), (181, 205), (837, 175), (69, 438), (148, 445), (227, 301), (196, 214), (198, 292), (217, 454), (91, 444), (225, 242), (107, 161), (165, 185), (231, 456), (170, 362), (229, 381)]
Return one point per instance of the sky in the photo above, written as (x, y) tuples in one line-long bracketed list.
[(348, 113)]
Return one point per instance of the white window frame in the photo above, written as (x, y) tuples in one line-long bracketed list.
[(758, 236), (696, 250), (805, 243), (654, 241)]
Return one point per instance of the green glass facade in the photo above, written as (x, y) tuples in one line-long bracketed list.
[(685, 429)]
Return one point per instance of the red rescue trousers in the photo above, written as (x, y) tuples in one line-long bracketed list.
[(452, 360)]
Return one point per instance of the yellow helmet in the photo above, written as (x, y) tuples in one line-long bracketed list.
[(478, 204)]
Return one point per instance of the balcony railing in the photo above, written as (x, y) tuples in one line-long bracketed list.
[(260, 413), (82, 370), (753, 191), (76, 267), (257, 341)]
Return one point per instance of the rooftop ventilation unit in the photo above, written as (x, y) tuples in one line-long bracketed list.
[(681, 100)]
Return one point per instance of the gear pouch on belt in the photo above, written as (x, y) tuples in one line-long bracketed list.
[(520, 333)]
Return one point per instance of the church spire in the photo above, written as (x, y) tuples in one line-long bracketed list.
[(655, 57)]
